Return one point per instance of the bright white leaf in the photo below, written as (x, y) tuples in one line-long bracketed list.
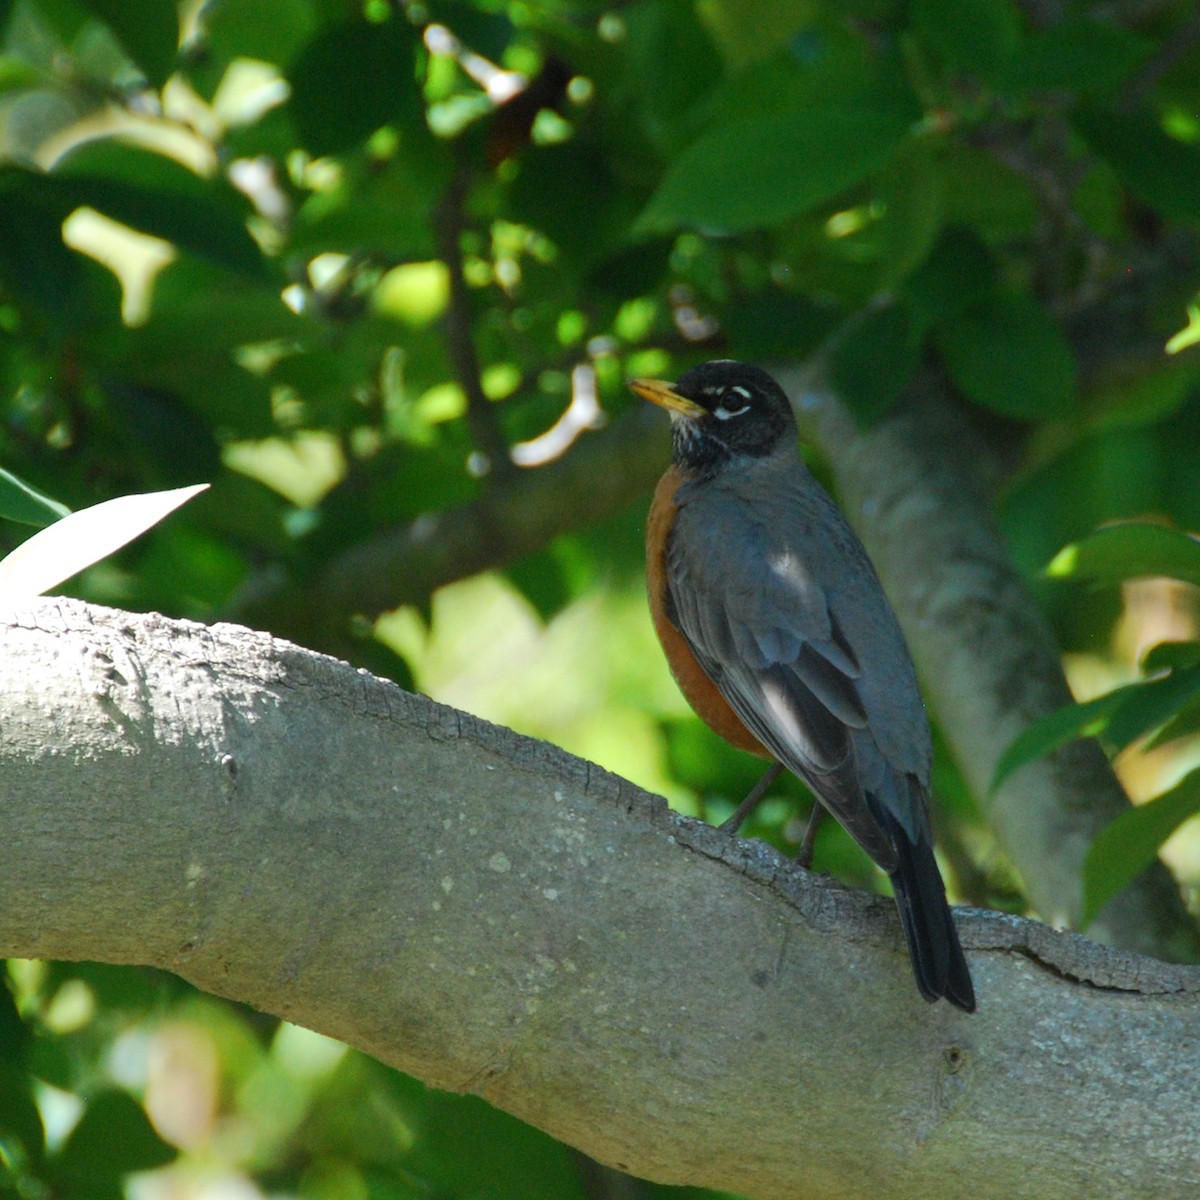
[(83, 538)]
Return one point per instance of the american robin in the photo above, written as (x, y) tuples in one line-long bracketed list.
[(779, 634)]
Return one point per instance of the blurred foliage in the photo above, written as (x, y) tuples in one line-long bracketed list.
[(337, 258)]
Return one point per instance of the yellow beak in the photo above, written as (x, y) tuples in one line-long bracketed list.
[(659, 392)]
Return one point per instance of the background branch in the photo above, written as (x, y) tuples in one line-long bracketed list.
[(448, 224), (516, 515), (492, 915)]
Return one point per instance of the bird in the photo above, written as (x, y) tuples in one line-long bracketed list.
[(779, 634)]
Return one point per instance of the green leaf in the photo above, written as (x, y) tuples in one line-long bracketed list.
[(1117, 718), (351, 80), (1052, 731), (874, 361), (989, 197), (1160, 169), (748, 174), (1090, 57), (35, 265), (1007, 355), (1129, 551), (113, 1138), (911, 191), (747, 31), (1148, 705), (982, 36), (14, 1033), (149, 33), (672, 68), (1171, 656), (83, 538), (464, 1147), (19, 1120), (778, 324), (16, 75), (958, 274), (271, 31), (569, 193), (199, 317), (1185, 723), (390, 221), (20, 502), (1125, 848)]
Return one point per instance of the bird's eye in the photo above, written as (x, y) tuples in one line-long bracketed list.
[(723, 414)]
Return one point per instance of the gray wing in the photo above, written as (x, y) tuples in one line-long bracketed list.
[(777, 600)]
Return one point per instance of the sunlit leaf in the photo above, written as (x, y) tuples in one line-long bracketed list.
[(83, 538), (1125, 848), (1189, 335), (1128, 551), (157, 195), (21, 502)]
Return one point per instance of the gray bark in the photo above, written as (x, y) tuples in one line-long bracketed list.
[(491, 915)]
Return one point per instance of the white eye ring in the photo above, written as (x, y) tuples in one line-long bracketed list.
[(723, 414)]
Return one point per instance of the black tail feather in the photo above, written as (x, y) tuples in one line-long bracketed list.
[(937, 956)]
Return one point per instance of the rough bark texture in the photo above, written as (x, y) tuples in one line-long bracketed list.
[(491, 915), (914, 487)]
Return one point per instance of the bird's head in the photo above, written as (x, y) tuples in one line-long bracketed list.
[(721, 412)]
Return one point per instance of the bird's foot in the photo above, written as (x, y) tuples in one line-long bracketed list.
[(733, 822), (803, 856)]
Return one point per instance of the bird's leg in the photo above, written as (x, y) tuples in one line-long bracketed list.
[(757, 792), (804, 855)]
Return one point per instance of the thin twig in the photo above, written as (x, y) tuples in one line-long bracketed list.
[(448, 226), (1173, 48)]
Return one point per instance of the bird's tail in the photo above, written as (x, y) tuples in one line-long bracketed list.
[(937, 956)]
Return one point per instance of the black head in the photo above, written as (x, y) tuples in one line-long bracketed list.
[(722, 411)]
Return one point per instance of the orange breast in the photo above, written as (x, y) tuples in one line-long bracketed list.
[(699, 691)]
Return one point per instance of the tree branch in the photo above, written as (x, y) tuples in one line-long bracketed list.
[(518, 514), (915, 486), (491, 915)]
